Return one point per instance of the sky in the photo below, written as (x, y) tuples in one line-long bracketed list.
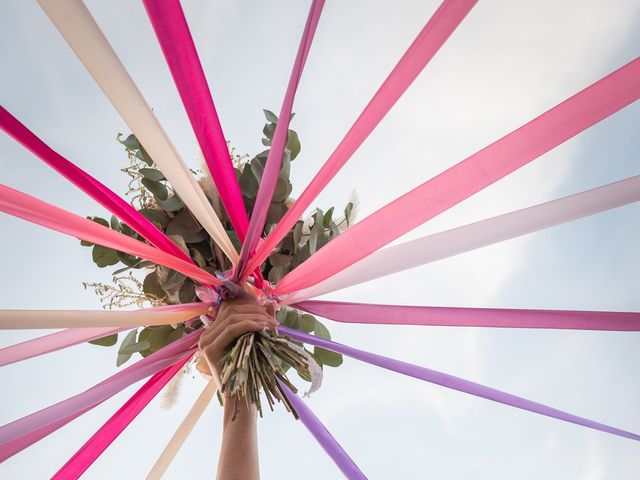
[(506, 63)]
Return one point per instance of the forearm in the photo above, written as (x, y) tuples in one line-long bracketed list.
[(239, 450)]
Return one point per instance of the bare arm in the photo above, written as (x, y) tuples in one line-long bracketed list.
[(239, 450)]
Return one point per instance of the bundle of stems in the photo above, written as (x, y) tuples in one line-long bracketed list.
[(256, 361)]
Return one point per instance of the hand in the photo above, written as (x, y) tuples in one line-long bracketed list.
[(233, 319)]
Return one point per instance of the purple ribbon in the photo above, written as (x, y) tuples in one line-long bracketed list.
[(453, 382)]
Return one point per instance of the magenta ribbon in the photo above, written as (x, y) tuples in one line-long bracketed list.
[(36, 211), (19, 434), (562, 122), (89, 185), (99, 441), (452, 382), (437, 30), (323, 436), (471, 317), (177, 45), (274, 158)]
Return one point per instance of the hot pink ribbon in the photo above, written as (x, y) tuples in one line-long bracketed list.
[(478, 171), (99, 441), (274, 158), (471, 317), (89, 185), (36, 211), (441, 25), (175, 39)]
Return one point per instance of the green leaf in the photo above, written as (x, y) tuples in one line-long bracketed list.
[(152, 174), (103, 256), (347, 212), (280, 260), (144, 156), (187, 292), (120, 270), (135, 347), (321, 331), (131, 142), (185, 225), (84, 243), (293, 144), (107, 341), (171, 204), (156, 216), (130, 339), (326, 220), (114, 223), (99, 220), (158, 189), (307, 323), (270, 116), (327, 357), (316, 231), (151, 286), (128, 260), (268, 130), (297, 234), (282, 190), (248, 183)]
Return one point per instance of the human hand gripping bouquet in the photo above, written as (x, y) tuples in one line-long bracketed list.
[(253, 366)]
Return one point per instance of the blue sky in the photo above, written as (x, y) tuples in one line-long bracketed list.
[(508, 62)]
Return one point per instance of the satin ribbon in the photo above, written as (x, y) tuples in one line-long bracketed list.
[(83, 35), (98, 443), (441, 25), (478, 171), (475, 235), (452, 382), (177, 45), (89, 185), (323, 437), (19, 434), (274, 158), (471, 317), (177, 440), (36, 211)]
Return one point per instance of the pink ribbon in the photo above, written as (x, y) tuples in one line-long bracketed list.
[(89, 185), (19, 434), (455, 383), (472, 317), (36, 211), (478, 171), (274, 158), (173, 34), (99, 441), (441, 25)]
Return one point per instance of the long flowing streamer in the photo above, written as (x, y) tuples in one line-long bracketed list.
[(475, 235), (183, 431), (562, 122), (437, 30), (83, 35), (19, 434), (89, 185), (455, 383), (36, 211), (177, 45), (99, 441), (472, 317), (274, 158), (323, 437), (165, 315)]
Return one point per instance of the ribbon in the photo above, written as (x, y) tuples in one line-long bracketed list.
[(36, 211), (89, 185), (441, 25), (183, 431), (322, 435), (274, 158), (19, 434), (98, 443), (472, 317), (83, 35), (478, 171), (165, 315), (180, 53), (452, 382), (462, 239)]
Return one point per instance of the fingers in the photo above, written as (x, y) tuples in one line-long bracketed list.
[(213, 351)]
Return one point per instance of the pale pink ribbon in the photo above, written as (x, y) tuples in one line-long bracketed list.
[(475, 235), (478, 171), (437, 30), (36, 211)]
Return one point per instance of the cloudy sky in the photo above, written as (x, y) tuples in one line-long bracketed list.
[(508, 62)]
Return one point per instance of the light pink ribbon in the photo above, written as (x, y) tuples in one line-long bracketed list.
[(89, 185), (441, 25), (586, 108), (173, 34), (36, 211), (348, 312), (274, 158), (99, 441)]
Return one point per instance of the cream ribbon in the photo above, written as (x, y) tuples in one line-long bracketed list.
[(79, 29)]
